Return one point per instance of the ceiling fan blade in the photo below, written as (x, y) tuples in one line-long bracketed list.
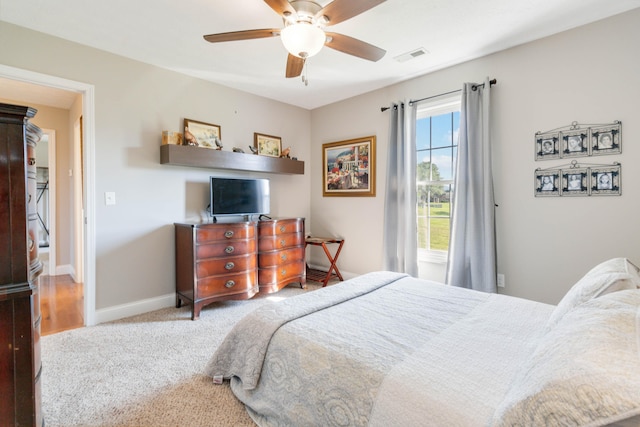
[(242, 35), (341, 10), (294, 66), (354, 47), (281, 7)]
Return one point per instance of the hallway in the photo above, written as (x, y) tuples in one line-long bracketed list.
[(61, 304)]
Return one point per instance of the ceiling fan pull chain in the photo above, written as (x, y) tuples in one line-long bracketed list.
[(305, 67)]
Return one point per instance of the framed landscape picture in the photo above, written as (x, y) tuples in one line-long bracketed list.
[(206, 134), (349, 167), (267, 145)]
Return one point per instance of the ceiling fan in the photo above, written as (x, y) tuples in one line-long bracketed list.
[(303, 34)]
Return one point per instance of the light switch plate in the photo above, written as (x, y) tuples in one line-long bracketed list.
[(109, 198)]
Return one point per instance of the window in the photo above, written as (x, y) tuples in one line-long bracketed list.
[(437, 147)]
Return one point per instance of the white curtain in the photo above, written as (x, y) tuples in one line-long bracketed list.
[(472, 247), (400, 247)]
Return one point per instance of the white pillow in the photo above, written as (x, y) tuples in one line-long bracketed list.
[(584, 372), (610, 276)]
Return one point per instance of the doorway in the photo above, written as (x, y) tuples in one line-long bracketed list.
[(83, 211)]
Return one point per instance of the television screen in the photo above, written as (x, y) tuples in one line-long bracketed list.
[(234, 196)]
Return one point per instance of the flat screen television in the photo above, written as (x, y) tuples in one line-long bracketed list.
[(236, 196)]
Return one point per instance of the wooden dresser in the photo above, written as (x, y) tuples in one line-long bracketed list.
[(20, 365), (215, 262), (281, 254)]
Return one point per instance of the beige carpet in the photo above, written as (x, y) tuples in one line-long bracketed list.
[(145, 370)]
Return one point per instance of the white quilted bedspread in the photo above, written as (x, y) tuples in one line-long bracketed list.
[(381, 349)]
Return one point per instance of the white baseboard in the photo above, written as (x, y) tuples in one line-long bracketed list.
[(169, 300), (61, 270), (134, 308)]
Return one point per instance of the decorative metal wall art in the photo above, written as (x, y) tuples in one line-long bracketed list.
[(576, 140), (578, 180)]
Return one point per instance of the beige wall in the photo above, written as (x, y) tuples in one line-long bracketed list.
[(544, 245), (134, 103), (588, 75)]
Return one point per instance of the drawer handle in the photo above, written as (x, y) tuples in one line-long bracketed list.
[(229, 249), (283, 272), (283, 257), (32, 161), (31, 244), (230, 284), (29, 201), (282, 229), (228, 234), (229, 265), (283, 242)]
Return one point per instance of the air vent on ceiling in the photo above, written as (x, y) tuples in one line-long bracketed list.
[(411, 55)]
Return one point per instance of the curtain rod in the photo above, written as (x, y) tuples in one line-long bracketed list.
[(474, 87)]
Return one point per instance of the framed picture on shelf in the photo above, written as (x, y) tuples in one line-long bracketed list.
[(206, 134), (606, 139), (547, 145), (267, 145), (349, 167), (605, 180), (575, 182), (575, 143), (547, 183)]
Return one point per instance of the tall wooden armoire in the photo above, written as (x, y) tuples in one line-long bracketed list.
[(20, 365)]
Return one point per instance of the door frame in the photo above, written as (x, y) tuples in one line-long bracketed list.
[(88, 129), (52, 199)]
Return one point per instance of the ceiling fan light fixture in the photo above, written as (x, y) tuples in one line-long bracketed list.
[(303, 39)]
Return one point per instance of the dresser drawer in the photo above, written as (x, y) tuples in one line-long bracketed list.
[(272, 275), (229, 248), (228, 265), (226, 285), (280, 242), (283, 226), (269, 259), (225, 232)]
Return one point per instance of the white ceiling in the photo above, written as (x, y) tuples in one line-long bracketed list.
[(168, 34)]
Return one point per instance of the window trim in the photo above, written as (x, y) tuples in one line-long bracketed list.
[(430, 108)]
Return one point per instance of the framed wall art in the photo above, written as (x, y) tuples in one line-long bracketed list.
[(606, 139), (547, 182), (267, 145), (575, 182), (547, 145), (206, 134), (349, 167), (579, 140), (605, 180), (575, 143)]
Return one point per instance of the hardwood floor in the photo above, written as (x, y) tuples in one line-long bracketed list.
[(61, 304)]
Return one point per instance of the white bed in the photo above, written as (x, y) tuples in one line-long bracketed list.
[(385, 349)]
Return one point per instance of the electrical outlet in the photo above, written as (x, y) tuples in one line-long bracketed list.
[(500, 280)]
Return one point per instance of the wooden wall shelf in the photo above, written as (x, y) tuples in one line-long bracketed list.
[(184, 155)]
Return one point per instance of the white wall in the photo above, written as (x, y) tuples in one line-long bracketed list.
[(134, 103), (588, 75)]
